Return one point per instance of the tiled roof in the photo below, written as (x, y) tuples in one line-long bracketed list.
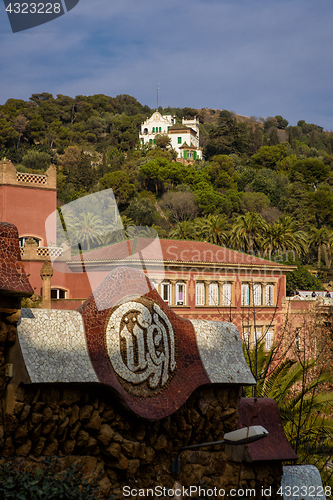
[(174, 251)]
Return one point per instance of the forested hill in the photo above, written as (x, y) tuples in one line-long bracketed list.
[(264, 186)]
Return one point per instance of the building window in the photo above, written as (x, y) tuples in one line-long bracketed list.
[(245, 294), (142, 141), (258, 334), (213, 298), (226, 294), (269, 299), (269, 340), (150, 141), (160, 129), (257, 294), (180, 294), (200, 294), (145, 131), (298, 339), (153, 130), (165, 292), (24, 239), (58, 293), (179, 140), (246, 336)]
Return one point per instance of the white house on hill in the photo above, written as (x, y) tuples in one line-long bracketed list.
[(184, 137)]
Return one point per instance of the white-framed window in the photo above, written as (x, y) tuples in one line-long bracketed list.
[(245, 294), (269, 295), (298, 339), (258, 336), (58, 293), (200, 294), (257, 294), (269, 337), (226, 294), (23, 239), (166, 292), (180, 294), (247, 336), (213, 298)]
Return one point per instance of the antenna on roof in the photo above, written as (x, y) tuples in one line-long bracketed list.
[(157, 89)]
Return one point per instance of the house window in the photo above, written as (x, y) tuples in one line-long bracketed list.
[(180, 294), (179, 140), (165, 292), (226, 294), (58, 293), (200, 294), (150, 141), (153, 130), (245, 294), (258, 334), (145, 131), (298, 339), (24, 239), (160, 129), (257, 294), (213, 294), (246, 336), (269, 299), (269, 340), (142, 141)]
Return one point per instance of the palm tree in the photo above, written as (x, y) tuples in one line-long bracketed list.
[(212, 229), (247, 231), (320, 238), (183, 231), (283, 236), (89, 229)]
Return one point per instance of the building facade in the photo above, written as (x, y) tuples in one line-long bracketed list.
[(198, 280), (184, 137)]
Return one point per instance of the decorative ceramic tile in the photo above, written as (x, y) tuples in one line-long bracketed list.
[(302, 482), (139, 346), (13, 280), (54, 346), (221, 352)]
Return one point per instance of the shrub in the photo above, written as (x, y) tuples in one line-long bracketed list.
[(19, 483)]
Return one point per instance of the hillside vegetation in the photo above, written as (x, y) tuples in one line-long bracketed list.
[(264, 187)]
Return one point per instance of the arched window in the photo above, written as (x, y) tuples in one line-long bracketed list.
[(145, 131), (23, 239)]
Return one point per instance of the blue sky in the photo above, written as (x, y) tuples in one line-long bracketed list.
[(255, 57)]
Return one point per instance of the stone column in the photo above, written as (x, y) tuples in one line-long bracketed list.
[(207, 283), (46, 274), (173, 292), (221, 298)]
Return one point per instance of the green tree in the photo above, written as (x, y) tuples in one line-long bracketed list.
[(247, 232), (120, 183), (213, 229), (302, 279), (183, 231)]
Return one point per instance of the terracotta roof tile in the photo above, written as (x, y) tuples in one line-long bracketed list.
[(175, 251)]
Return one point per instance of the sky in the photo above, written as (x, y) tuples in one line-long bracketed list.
[(253, 57)]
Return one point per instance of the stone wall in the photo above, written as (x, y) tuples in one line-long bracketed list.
[(86, 423)]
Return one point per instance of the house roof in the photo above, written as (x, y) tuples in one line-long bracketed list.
[(175, 251)]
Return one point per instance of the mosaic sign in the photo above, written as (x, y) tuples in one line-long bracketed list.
[(141, 346)]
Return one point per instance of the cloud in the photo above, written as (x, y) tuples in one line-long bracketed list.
[(257, 58)]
